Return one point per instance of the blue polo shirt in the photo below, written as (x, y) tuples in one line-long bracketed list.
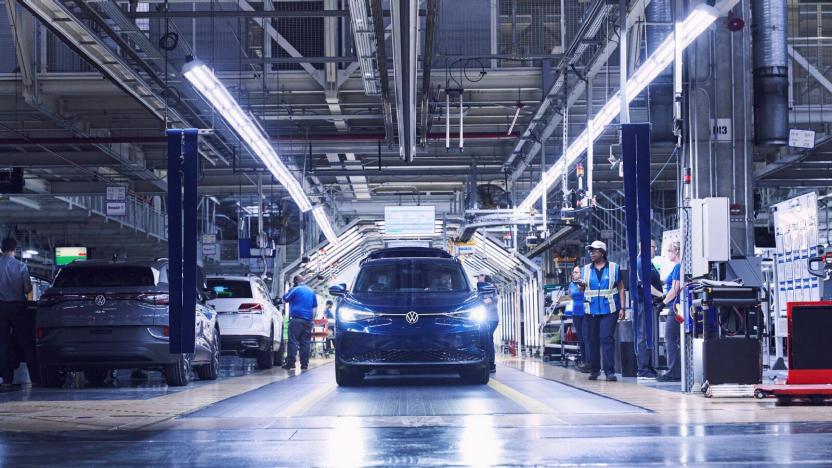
[(302, 302)]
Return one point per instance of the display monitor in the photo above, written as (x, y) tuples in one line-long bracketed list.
[(67, 255)]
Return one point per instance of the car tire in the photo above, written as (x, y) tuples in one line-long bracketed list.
[(51, 377), (278, 355), (97, 377), (178, 374), (477, 375), (265, 358), (348, 377), (211, 370)]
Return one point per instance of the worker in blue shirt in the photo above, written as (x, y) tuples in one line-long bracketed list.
[(576, 309), (672, 327), (645, 323), (602, 284), (302, 303)]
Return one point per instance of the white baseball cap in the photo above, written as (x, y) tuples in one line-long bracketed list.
[(597, 245), (483, 273)]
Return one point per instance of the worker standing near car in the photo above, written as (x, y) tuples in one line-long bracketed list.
[(604, 289), (15, 285), (302, 305), (492, 318)]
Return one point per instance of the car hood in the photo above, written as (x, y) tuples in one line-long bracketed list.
[(404, 302)]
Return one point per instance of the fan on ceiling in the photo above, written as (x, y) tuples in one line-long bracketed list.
[(283, 226), (490, 196)]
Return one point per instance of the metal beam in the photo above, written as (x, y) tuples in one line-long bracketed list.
[(285, 45), (816, 74), (219, 14)]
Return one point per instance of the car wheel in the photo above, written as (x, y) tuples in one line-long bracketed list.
[(178, 374), (265, 358), (211, 370), (477, 375), (348, 377), (96, 377), (52, 377), (278, 355)]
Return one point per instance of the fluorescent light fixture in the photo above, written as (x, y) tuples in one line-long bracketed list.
[(204, 81), (697, 22), (322, 220)]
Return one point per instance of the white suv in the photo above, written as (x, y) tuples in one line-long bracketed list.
[(252, 326)]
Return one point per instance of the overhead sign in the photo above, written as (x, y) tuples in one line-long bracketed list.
[(801, 138), (116, 208), (67, 255), (721, 130), (209, 250), (464, 248), (410, 221), (116, 200), (116, 193)]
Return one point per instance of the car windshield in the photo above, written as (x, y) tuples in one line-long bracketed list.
[(230, 289), (106, 276), (411, 276)]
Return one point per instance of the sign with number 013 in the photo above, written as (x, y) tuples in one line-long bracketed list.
[(721, 130)]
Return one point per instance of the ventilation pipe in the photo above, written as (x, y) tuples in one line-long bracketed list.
[(771, 82), (659, 15)]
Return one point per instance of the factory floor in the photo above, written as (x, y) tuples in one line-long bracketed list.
[(531, 413)]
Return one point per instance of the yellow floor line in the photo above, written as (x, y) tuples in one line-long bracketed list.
[(530, 404), (303, 405)]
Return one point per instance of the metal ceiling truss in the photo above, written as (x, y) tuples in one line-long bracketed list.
[(405, 50)]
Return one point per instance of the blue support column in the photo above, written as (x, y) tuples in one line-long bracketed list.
[(635, 151), (182, 241)]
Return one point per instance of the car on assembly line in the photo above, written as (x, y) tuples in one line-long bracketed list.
[(99, 316), (252, 325), (410, 308)]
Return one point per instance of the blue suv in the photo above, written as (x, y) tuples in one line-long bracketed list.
[(410, 308)]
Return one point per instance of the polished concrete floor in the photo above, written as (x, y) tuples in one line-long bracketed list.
[(531, 413)]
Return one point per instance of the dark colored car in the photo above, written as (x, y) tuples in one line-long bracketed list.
[(99, 316), (412, 311)]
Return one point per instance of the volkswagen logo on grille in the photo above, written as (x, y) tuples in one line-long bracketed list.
[(100, 300), (411, 317)]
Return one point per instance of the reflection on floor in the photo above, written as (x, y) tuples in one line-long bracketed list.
[(530, 414)]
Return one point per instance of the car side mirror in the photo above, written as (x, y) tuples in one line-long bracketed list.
[(338, 290), (278, 301), (209, 294), (486, 288)]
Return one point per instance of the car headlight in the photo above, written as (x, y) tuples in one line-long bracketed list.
[(476, 313), (351, 314)]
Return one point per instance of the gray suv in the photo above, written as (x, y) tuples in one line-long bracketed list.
[(99, 316)]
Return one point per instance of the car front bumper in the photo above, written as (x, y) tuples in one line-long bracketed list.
[(391, 342)]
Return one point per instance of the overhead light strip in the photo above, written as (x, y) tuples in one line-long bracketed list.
[(209, 86), (697, 22)]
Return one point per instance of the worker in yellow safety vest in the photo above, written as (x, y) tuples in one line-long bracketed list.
[(601, 281)]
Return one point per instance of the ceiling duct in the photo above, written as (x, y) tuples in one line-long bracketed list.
[(405, 49), (771, 64)]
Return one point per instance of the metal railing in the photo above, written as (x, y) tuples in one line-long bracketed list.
[(139, 216)]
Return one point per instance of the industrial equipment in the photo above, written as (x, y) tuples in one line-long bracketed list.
[(726, 324)]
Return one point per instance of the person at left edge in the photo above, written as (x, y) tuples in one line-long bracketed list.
[(302, 303), (15, 284)]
